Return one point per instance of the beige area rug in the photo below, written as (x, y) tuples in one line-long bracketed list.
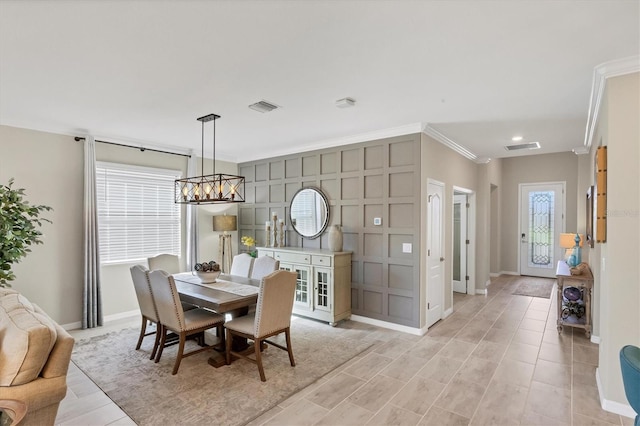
[(535, 287), (199, 393)]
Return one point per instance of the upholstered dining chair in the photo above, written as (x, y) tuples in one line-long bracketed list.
[(630, 365), (166, 262), (272, 317), (139, 275), (263, 266), (241, 265), (173, 318)]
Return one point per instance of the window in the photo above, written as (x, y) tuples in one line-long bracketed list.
[(137, 215)]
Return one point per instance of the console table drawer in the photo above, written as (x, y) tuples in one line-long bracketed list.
[(318, 260), (300, 258)]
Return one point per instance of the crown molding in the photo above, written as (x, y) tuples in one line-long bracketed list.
[(427, 129), (601, 73)]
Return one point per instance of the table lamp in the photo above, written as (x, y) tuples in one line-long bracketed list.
[(572, 243), (224, 224)]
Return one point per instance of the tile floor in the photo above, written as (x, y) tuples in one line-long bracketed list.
[(497, 360)]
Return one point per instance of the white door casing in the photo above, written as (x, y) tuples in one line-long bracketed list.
[(435, 254), (459, 260), (542, 219)]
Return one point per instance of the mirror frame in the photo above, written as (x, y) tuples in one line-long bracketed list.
[(326, 221)]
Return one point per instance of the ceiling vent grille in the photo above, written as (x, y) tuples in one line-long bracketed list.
[(263, 106), (528, 145)]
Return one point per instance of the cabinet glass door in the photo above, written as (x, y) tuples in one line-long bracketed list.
[(322, 289), (302, 284)]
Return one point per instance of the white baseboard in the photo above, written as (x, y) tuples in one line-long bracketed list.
[(481, 291), (509, 273), (494, 274), (391, 326), (613, 406), (595, 339), (447, 312), (109, 318)]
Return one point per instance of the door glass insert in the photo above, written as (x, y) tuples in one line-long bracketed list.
[(322, 278), (541, 228), (302, 286)]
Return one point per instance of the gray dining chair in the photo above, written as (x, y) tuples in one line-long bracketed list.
[(166, 262), (272, 317), (263, 266), (173, 318), (140, 277), (241, 265)]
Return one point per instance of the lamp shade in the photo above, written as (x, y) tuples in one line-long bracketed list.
[(225, 223), (568, 241)]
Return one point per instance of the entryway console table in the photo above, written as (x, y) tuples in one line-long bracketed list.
[(323, 290), (569, 311)]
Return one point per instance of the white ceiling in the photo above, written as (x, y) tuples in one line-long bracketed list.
[(476, 72)]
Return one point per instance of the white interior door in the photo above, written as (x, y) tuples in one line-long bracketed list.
[(541, 221), (435, 258), (459, 261)]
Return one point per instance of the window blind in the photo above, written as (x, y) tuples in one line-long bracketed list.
[(137, 215)]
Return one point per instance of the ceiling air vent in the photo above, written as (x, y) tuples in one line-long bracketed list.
[(528, 145), (263, 106)]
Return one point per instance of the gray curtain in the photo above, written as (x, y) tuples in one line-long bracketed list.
[(192, 220), (91, 298)]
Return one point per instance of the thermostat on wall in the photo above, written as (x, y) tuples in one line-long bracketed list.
[(377, 221)]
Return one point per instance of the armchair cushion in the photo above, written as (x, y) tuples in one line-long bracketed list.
[(26, 344)]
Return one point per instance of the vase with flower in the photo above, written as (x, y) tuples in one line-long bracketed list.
[(250, 244)]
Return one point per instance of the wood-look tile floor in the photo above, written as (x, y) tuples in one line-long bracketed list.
[(497, 360)]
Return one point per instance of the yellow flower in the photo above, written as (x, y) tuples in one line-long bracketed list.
[(248, 241)]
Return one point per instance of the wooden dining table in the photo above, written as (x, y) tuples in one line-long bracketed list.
[(229, 294)]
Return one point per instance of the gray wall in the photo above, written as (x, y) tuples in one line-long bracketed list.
[(362, 181)]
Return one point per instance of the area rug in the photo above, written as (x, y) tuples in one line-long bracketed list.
[(199, 393), (535, 287)]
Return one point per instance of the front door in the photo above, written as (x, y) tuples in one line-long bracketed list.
[(541, 222), (435, 259)]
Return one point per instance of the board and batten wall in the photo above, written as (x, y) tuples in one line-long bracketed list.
[(376, 179)]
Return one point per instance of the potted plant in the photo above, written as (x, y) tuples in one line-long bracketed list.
[(19, 229), (249, 243)]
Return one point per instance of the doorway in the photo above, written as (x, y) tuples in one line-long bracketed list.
[(542, 211), (435, 253), (459, 277)]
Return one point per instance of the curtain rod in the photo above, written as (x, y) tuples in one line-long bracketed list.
[(141, 148)]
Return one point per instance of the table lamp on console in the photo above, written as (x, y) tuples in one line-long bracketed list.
[(572, 243)]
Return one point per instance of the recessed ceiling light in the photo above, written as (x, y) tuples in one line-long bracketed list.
[(516, 138)]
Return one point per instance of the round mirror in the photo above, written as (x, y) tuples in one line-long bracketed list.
[(309, 212)]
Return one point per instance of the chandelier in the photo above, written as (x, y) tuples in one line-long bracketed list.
[(213, 188)]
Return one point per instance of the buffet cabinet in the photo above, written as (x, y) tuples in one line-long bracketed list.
[(323, 288)]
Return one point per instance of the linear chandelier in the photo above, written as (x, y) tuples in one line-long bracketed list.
[(213, 188)]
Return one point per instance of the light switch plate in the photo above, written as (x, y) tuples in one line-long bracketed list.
[(377, 221), (407, 247)]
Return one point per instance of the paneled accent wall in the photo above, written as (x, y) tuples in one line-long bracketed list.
[(376, 179)]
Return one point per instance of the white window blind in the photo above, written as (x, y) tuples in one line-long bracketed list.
[(137, 215)]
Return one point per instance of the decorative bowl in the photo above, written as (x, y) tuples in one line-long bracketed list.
[(207, 277)]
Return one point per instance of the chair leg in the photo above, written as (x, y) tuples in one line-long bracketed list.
[(288, 336), (183, 337), (257, 344), (162, 342), (228, 346), (143, 330), (157, 342)]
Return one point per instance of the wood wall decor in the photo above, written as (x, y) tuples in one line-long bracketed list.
[(601, 194)]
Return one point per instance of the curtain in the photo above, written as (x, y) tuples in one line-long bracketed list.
[(192, 219), (91, 298)]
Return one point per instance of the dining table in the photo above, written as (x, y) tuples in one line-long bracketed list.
[(227, 295)]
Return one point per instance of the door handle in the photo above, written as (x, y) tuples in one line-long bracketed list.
[(523, 238), (442, 259)]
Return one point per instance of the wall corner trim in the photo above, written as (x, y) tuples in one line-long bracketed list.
[(389, 325), (601, 73), (613, 406)]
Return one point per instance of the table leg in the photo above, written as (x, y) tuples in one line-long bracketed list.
[(560, 282), (238, 344)]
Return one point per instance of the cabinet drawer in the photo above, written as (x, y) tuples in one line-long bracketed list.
[(318, 260), (265, 253), (292, 257)]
